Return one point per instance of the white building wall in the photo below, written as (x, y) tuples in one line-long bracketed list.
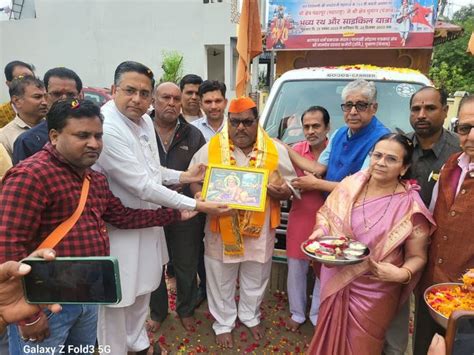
[(93, 36)]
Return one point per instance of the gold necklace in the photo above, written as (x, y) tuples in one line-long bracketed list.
[(367, 228), (166, 138)]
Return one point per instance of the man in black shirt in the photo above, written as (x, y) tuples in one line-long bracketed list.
[(433, 144), (177, 142)]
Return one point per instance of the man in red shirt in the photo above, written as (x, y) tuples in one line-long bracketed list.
[(41, 192), (315, 122)]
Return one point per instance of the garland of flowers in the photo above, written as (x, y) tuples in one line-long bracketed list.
[(253, 155), (373, 67)]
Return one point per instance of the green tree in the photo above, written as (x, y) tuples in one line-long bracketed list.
[(464, 14), (172, 67), (453, 67)]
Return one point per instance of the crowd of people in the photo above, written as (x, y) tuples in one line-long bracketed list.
[(143, 156)]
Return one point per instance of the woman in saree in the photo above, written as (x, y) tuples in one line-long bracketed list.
[(378, 208)]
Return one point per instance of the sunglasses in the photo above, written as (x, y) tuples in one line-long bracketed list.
[(360, 106), (236, 123)]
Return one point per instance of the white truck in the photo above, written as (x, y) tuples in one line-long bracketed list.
[(298, 89)]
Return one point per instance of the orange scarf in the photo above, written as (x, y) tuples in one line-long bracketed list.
[(244, 223)]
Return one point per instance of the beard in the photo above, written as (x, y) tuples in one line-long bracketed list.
[(426, 131)]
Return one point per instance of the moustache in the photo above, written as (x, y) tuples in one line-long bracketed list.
[(422, 123), (315, 138)]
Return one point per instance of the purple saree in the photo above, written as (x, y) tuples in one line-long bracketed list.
[(355, 310)]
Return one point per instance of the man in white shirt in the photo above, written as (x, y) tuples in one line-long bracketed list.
[(29, 97), (240, 245), (213, 103), (131, 162), (13, 70)]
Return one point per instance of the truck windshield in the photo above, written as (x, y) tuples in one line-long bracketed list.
[(294, 97)]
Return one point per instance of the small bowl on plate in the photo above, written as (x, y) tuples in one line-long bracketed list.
[(353, 254), (355, 245)]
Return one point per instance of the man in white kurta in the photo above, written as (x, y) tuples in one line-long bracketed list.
[(252, 267), (130, 160)]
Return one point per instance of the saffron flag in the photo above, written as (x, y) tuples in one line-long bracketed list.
[(420, 13), (249, 43)]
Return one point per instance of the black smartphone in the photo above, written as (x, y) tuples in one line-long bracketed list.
[(75, 280), (460, 333)]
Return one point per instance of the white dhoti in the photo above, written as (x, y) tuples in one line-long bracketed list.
[(251, 268), (221, 281), (123, 328)]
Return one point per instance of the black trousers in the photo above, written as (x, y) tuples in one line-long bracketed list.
[(183, 240)]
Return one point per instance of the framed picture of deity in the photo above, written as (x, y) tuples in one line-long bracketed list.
[(239, 188)]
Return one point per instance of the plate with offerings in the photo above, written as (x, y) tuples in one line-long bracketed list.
[(336, 250)]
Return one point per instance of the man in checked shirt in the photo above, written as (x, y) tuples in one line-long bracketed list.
[(41, 192)]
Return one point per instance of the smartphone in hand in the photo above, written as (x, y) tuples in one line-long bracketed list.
[(460, 333), (73, 280)]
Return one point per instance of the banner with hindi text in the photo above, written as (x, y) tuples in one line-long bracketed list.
[(350, 24)]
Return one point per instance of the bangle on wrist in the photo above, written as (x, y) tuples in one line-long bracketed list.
[(30, 321), (410, 274)]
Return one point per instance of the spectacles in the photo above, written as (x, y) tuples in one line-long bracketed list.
[(360, 106), (236, 123), (389, 159), (144, 94), (464, 129)]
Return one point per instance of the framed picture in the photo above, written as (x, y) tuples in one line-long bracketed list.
[(240, 188)]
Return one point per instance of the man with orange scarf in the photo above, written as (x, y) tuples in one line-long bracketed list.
[(239, 246)]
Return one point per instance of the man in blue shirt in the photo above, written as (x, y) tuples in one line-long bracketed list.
[(60, 83), (213, 103), (349, 146)]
